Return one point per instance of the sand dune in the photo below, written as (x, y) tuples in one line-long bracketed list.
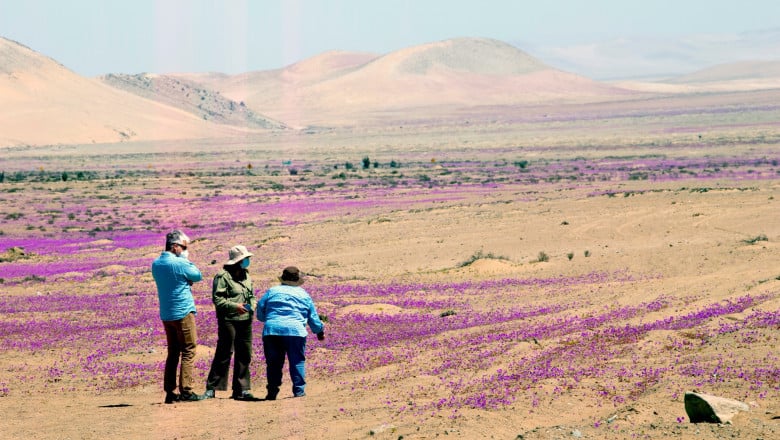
[(741, 71), (742, 76), (45, 103), (273, 85), (452, 73)]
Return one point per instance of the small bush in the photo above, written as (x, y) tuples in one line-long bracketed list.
[(756, 239), (447, 313), (542, 257), (570, 255), (479, 255), (587, 254)]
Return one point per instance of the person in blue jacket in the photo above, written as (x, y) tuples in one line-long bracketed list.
[(174, 275), (286, 309)]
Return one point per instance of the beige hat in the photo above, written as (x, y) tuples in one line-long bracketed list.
[(236, 254)]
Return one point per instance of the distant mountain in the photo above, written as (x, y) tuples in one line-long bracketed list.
[(188, 96), (463, 72), (45, 103), (277, 85), (335, 88), (644, 58), (739, 71)]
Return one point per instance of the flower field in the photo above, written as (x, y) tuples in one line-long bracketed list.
[(624, 312)]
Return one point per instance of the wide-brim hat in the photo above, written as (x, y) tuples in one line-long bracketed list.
[(291, 276), (236, 254)]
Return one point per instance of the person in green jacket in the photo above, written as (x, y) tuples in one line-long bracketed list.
[(234, 301)]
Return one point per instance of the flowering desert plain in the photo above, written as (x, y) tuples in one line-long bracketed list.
[(534, 272)]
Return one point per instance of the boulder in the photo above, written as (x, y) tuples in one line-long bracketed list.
[(711, 409)]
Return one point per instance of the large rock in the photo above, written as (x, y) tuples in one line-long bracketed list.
[(712, 409)]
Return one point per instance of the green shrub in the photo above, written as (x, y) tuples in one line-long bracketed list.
[(479, 255), (756, 239)]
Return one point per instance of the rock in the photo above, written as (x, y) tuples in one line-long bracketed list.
[(711, 409)]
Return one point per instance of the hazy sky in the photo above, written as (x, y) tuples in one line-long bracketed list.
[(93, 37)]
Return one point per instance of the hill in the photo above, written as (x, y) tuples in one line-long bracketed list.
[(350, 88), (740, 71), (743, 76), (46, 103), (188, 96), (437, 80)]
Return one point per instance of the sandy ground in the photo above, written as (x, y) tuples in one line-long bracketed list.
[(693, 240), (681, 239)]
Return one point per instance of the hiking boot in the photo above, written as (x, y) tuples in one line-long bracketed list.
[(245, 396), (192, 397)]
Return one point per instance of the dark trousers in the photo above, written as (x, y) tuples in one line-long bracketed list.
[(275, 349), (231, 335), (182, 342)]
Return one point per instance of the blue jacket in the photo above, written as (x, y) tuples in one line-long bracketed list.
[(173, 276), (286, 310)]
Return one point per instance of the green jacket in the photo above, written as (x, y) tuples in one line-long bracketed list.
[(227, 293)]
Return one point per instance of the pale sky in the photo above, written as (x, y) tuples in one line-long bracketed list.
[(94, 37)]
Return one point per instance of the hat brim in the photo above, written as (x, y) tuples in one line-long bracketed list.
[(239, 258), (290, 282)]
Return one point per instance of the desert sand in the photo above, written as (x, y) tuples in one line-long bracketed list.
[(538, 269)]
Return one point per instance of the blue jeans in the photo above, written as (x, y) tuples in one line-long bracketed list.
[(275, 348)]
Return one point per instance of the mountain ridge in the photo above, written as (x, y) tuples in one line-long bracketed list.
[(336, 88), (188, 96)]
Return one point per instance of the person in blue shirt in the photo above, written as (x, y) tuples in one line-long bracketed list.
[(285, 310), (174, 275)]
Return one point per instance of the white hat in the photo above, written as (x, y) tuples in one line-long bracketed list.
[(236, 254)]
